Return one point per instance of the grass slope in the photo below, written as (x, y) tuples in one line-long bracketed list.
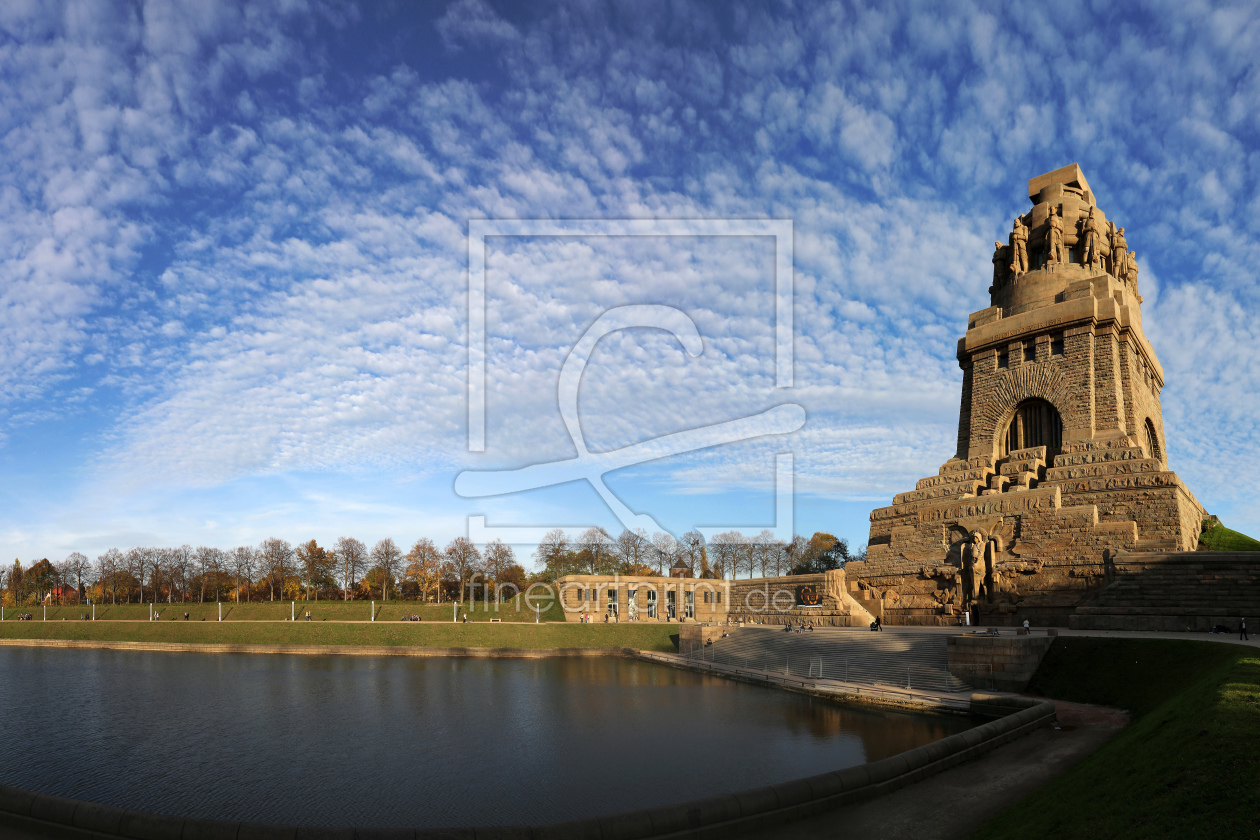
[(280, 611), (424, 634), (1221, 538), (1188, 765)]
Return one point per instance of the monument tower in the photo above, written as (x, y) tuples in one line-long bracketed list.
[(1061, 461)]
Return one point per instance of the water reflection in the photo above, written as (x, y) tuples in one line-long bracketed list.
[(417, 742)]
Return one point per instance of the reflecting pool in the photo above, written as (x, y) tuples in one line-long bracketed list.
[(396, 741)]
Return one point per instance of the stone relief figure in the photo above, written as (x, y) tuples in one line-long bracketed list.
[(1091, 241), (1000, 261), (1019, 248), (991, 576), (1119, 254), (1054, 239), (973, 568)]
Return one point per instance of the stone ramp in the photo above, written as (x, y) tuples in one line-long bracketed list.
[(1174, 592), (900, 658)]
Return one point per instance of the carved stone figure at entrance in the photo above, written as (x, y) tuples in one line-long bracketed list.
[(1019, 248), (1054, 239), (1091, 241), (973, 568)]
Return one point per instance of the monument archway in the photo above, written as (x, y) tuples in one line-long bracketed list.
[(1035, 423)]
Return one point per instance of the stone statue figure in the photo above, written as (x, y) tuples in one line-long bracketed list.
[(1091, 241), (1019, 248), (973, 567), (1119, 255), (1054, 239), (999, 266), (1131, 274), (991, 575)]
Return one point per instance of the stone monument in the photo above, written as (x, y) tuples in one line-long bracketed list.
[(1060, 460)]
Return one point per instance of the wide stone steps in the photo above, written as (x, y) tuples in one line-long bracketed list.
[(1188, 590), (892, 658)]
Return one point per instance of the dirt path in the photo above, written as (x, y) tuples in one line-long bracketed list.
[(956, 803)]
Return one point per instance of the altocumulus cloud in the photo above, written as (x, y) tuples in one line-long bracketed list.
[(234, 237)]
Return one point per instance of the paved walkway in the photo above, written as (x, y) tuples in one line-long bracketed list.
[(956, 803), (1231, 638)]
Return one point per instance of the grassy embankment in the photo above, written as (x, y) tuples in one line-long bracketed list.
[(1220, 538), (333, 623), (480, 634), (1187, 766), (281, 610)]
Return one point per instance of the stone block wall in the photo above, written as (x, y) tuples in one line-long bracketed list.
[(1000, 663)]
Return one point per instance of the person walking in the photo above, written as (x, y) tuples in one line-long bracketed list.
[(1242, 630)]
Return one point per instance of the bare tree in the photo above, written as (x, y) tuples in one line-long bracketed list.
[(180, 561), (424, 566), (464, 561), (77, 568), (350, 557), (633, 547), (387, 557), (664, 551), (137, 562), (765, 554), (692, 552), (158, 571), (245, 564), (554, 542), (499, 558), (109, 564), (726, 551), (276, 557), (795, 551), (204, 559), (599, 550)]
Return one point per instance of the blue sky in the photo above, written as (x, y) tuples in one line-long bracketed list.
[(233, 281)]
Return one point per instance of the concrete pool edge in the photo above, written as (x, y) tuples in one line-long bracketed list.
[(322, 650), (712, 817)]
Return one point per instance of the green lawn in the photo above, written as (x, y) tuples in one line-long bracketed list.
[(1221, 538), (1187, 766), (280, 611), (424, 634)]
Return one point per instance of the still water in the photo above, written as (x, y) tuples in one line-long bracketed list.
[(393, 741)]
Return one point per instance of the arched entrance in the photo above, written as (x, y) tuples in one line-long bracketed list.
[(1035, 423)]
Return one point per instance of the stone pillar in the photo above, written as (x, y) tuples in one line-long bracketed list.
[(1078, 350), (964, 411), (1108, 392)]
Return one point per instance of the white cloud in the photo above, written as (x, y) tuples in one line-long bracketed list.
[(260, 253)]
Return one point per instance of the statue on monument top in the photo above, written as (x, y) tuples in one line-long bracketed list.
[(1119, 254), (1019, 248), (1054, 239), (1000, 261), (1091, 241)]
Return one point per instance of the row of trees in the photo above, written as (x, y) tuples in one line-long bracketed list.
[(729, 554), (274, 569)]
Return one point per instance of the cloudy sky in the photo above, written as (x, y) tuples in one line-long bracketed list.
[(234, 249)]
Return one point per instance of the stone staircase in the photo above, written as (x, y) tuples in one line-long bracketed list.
[(1174, 592), (901, 659)]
